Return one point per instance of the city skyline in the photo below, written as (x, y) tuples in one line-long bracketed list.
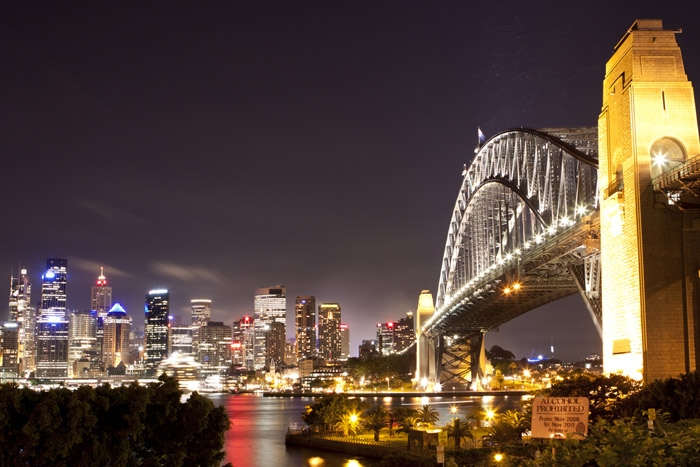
[(212, 150)]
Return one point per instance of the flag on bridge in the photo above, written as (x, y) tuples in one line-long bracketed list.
[(482, 138)]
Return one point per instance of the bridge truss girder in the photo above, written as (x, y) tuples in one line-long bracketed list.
[(524, 232)]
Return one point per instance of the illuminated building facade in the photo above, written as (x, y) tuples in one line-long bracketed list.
[(275, 340), (201, 315), (344, 342), (9, 345), (214, 349), (329, 344), (182, 340), (23, 313), (82, 339), (243, 342), (157, 328), (305, 324), (115, 344), (385, 338), (270, 305), (648, 130), (201, 311), (404, 334), (52, 323), (101, 295)]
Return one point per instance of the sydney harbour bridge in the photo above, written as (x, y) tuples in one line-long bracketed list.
[(547, 213)]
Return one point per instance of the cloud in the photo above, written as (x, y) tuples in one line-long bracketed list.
[(185, 273), (93, 266), (109, 212)]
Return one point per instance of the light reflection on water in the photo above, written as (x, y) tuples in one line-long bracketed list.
[(258, 426)]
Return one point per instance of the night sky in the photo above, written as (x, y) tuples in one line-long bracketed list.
[(216, 147)]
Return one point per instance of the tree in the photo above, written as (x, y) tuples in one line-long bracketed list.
[(604, 393), (409, 422), (126, 426), (458, 429), (499, 353), (679, 397), (428, 415), (375, 419), (347, 423)]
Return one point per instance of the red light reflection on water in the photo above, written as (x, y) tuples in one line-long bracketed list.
[(256, 436)]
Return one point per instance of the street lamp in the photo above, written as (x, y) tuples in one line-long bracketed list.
[(353, 423), (453, 408), (387, 384)]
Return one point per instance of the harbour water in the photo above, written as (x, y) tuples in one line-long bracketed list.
[(258, 426)]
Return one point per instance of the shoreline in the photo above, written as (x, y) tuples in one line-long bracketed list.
[(395, 394)]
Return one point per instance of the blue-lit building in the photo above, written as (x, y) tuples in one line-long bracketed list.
[(157, 328), (52, 323)]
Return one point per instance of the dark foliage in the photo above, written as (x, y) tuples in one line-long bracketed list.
[(603, 392), (679, 397), (124, 426)]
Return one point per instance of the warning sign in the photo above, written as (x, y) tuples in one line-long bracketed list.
[(559, 417)]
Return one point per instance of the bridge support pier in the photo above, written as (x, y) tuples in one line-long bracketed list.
[(462, 362), (426, 375)]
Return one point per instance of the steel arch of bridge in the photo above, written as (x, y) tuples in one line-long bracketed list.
[(524, 231)]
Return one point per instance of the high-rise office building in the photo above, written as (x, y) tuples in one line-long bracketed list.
[(20, 295), (214, 347), (329, 332), (9, 346), (274, 342), (53, 288), (101, 296), (115, 344), (344, 342), (82, 340), (24, 314), (201, 315), (201, 311), (157, 328), (270, 305), (404, 333), (305, 324), (385, 338), (100, 303), (52, 323), (242, 344), (182, 340)]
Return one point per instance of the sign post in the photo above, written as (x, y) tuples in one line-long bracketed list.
[(559, 417), (440, 454)]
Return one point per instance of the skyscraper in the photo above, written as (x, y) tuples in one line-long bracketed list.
[(156, 336), (270, 305), (329, 343), (115, 345), (101, 295), (9, 345), (385, 338), (53, 288), (275, 343), (100, 303), (243, 342), (214, 347), (305, 323), (344, 342), (201, 315), (201, 311), (52, 324), (22, 312), (82, 341), (404, 333)]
